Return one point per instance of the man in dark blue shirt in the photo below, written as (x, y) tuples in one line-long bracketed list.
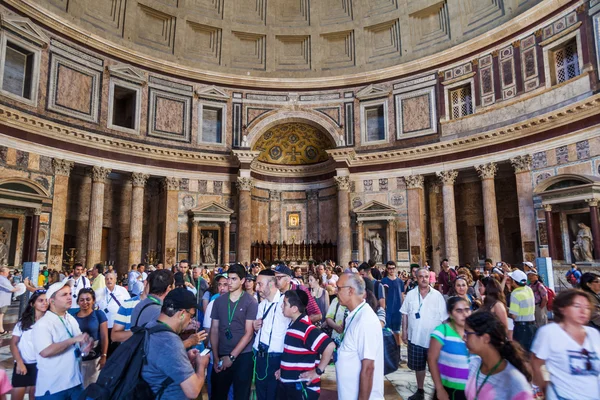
[(393, 299)]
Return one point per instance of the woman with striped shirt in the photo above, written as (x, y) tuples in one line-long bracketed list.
[(448, 356)]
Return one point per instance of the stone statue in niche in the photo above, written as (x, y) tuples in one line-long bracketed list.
[(208, 247), (584, 243), (377, 248), (3, 247)]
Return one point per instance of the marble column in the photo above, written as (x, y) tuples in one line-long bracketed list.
[(226, 244), (312, 211), (361, 241), (487, 172), (436, 221), (593, 203), (195, 244), (84, 199), (31, 247), (138, 181), (549, 231), (416, 218), (450, 232), (522, 166), (274, 216), (62, 171), (94, 244), (391, 242), (154, 200), (244, 237), (171, 197), (344, 236)]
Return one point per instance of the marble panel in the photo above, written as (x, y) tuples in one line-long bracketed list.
[(46, 165), (584, 168), (583, 150), (383, 184), (3, 154), (368, 185), (594, 146), (34, 161), (73, 90), (539, 160), (22, 159), (529, 63), (562, 155), (184, 184), (202, 186), (218, 187), (170, 114), (416, 114)]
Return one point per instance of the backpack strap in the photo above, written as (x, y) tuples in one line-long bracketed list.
[(163, 386), (140, 314)]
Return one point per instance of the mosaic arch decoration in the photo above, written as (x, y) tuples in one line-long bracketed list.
[(293, 143)]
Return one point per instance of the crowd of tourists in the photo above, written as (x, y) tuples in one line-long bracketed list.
[(271, 332)]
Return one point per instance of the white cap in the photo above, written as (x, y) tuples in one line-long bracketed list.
[(530, 265), (354, 270), (519, 277), (55, 287)]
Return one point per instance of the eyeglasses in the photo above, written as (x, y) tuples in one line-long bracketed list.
[(192, 315), (467, 333), (588, 362), (342, 287)]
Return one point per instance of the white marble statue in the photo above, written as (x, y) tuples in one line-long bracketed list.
[(584, 243), (377, 248), (208, 246)]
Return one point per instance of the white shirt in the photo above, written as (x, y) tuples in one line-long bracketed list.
[(207, 322), (136, 286), (273, 321), (62, 371), (567, 364), (333, 280), (25, 343), (363, 339), (108, 304), (78, 284), (432, 311)]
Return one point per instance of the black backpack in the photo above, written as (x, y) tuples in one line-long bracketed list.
[(121, 376)]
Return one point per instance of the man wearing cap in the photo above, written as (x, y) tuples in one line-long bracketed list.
[(284, 274), (522, 309), (540, 294), (270, 327), (59, 346), (231, 334), (167, 360)]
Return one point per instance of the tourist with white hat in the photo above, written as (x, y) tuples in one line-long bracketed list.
[(522, 309)]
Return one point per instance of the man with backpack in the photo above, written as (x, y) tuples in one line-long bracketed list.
[(540, 293), (148, 310), (573, 275)]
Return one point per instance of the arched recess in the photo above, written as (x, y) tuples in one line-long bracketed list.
[(563, 181), (280, 117), (23, 192)]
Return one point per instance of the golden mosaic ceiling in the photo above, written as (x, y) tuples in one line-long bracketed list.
[(293, 144)]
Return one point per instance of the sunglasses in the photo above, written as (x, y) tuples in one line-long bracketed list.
[(40, 291)]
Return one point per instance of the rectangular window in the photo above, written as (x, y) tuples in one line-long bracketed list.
[(566, 61), (124, 107), (375, 121), (212, 124), (18, 71), (461, 101)]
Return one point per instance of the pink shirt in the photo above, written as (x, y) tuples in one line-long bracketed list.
[(432, 278)]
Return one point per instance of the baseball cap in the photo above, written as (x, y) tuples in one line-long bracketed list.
[(532, 271), (354, 270), (55, 287), (519, 277), (180, 299), (219, 276), (283, 269), (530, 265)]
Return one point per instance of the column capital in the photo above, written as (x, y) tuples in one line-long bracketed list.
[(414, 181), (486, 171), (274, 195), (547, 207), (139, 179), (195, 223), (360, 223), (170, 183), (99, 174), (593, 202), (522, 163), (245, 183), (36, 211), (62, 167), (227, 223), (447, 177), (342, 182)]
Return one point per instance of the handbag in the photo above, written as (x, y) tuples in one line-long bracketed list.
[(391, 352)]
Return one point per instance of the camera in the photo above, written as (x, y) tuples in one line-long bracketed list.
[(263, 349)]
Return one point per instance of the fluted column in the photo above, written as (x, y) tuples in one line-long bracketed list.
[(361, 242), (274, 216), (94, 244), (391, 242), (487, 172), (416, 218), (549, 231), (62, 171), (195, 244), (450, 233), (226, 243), (344, 249), (170, 187), (522, 166), (244, 238), (138, 181), (593, 203)]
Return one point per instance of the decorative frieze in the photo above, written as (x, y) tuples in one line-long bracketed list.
[(447, 177), (487, 171), (99, 174), (62, 167), (414, 181), (522, 163), (139, 179)]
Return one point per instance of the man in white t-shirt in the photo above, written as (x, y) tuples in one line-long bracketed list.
[(59, 346), (360, 355), (109, 300), (424, 309), (79, 282)]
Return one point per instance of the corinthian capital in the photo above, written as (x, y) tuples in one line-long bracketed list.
[(486, 171), (447, 177), (245, 183), (342, 182), (62, 167), (521, 163), (170, 183), (138, 179), (592, 202), (414, 181), (274, 194), (99, 174)]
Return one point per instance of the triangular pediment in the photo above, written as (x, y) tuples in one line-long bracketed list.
[(127, 72), (374, 207), (212, 92), (25, 28), (211, 208), (372, 92)]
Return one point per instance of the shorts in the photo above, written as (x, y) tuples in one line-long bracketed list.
[(3, 310), (26, 380), (417, 357)]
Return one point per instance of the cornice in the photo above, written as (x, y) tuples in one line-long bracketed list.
[(501, 33), (293, 170)]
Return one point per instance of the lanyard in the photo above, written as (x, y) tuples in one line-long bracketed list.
[(272, 323), (64, 324), (229, 313), (155, 301), (421, 304), (343, 335), (486, 377)]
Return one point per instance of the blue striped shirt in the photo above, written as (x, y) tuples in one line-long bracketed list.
[(123, 316)]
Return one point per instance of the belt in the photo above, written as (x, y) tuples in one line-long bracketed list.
[(525, 323), (270, 355)]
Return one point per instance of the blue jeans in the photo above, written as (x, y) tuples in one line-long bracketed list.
[(265, 382), (69, 394)]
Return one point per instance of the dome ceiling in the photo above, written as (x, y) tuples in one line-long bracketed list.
[(286, 38), (293, 144)]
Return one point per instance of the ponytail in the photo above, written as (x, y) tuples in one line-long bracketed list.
[(514, 354)]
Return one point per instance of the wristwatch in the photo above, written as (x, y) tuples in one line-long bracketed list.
[(232, 357), (319, 372)]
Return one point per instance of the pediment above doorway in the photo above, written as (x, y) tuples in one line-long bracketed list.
[(374, 210), (211, 211)]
